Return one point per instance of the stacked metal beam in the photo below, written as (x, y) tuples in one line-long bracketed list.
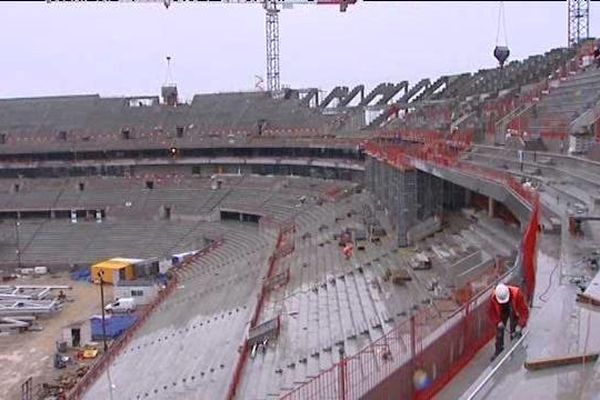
[(19, 304)]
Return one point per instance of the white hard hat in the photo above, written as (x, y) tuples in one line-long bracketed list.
[(502, 293)]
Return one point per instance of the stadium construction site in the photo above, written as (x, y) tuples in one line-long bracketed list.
[(292, 245)]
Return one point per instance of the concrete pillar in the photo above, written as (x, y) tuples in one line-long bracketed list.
[(377, 180), (426, 195), (422, 194), (467, 197), (395, 187), (491, 207), (388, 186), (383, 177), (437, 194), (407, 205), (370, 174)]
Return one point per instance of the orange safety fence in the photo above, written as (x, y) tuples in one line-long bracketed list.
[(100, 366)]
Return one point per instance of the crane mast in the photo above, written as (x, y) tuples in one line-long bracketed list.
[(272, 38), (578, 21)]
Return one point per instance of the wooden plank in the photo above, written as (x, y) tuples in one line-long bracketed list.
[(587, 299), (560, 361), (593, 289)]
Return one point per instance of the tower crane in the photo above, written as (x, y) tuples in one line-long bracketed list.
[(578, 21), (272, 8), (578, 27)]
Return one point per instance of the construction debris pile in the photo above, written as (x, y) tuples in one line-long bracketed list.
[(63, 383), (20, 306)]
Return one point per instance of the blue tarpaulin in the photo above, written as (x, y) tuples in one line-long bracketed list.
[(162, 279), (81, 275), (115, 325)]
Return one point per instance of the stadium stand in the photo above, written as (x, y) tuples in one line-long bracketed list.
[(110, 162)]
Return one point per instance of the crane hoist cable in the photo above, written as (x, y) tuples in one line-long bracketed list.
[(169, 74), (501, 25), (501, 52)]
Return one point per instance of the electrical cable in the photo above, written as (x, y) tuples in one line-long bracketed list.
[(540, 297)]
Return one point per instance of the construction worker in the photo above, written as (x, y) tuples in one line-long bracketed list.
[(348, 250), (507, 303)]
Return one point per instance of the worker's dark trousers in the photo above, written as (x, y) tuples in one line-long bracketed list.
[(500, 331)]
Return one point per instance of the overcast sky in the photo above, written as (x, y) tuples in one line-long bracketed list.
[(120, 49)]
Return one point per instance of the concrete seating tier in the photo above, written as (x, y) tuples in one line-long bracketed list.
[(330, 303)]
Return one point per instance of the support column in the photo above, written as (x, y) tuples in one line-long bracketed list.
[(369, 174), (407, 205), (426, 200), (383, 190), (421, 194), (468, 194), (377, 180), (395, 207), (387, 186), (491, 207), (437, 194)]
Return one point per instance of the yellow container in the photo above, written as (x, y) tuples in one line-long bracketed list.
[(114, 270)]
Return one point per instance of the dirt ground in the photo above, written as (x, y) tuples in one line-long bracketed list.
[(31, 353)]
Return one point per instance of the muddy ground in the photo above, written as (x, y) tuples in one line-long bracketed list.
[(31, 353)]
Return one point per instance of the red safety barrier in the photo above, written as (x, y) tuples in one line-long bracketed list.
[(113, 351), (529, 252), (283, 247), (418, 357)]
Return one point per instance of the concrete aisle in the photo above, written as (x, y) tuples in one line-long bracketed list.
[(558, 326)]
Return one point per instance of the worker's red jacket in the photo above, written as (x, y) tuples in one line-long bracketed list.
[(517, 303)]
